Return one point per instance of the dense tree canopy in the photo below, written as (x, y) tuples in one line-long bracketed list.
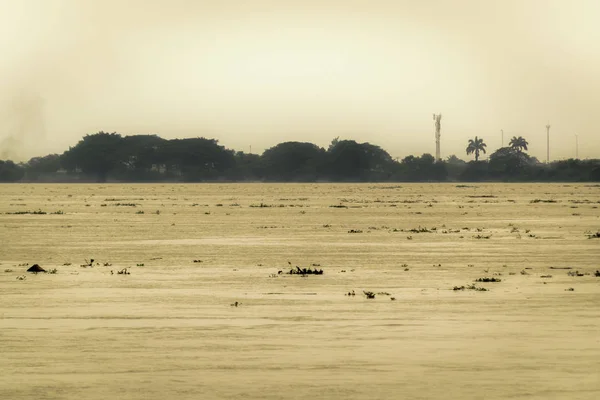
[(110, 156), (348, 160), (11, 172), (293, 161), (96, 155)]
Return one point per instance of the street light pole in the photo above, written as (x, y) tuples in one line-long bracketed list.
[(548, 143)]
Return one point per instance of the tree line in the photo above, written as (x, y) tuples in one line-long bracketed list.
[(103, 157)]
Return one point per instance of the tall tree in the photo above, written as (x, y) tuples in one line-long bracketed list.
[(39, 166), (518, 143), (293, 161), (197, 159), (475, 146), (98, 154), (508, 162), (348, 160), (11, 172)]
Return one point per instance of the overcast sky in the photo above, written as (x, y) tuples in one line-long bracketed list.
[(259, 72)]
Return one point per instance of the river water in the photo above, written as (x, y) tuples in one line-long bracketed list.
[(170, 328)]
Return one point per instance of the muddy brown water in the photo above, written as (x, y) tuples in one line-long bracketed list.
[(169, 330)]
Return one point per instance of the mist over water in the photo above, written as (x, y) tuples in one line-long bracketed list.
[(274, 71), (23, 123)]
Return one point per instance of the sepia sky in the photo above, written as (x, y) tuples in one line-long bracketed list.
[(259, 72)]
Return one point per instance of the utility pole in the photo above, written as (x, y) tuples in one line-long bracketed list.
[(437, 118), (548, 143)]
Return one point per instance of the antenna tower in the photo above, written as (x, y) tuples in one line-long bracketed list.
[(437, 118)]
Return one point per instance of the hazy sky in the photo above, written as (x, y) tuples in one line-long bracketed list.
[(256, 73)]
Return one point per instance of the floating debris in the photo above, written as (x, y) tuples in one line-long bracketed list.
[(35, 268)]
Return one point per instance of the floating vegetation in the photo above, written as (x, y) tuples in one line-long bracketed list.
[(543, 201), (124, 271), (198, 261), (125, 205), (38, 212), (140, 265), (470, 287), (574, 273), (369, 295), (305, 271), (8, 270), (338, 206), (263, 205), (482, 236), (53, 271), (594, 235), (570, 289), (492, 279), (140, 212), (355, 231), (21, 277), (597, 274), (545, 276), (421, 230), (352, 293)]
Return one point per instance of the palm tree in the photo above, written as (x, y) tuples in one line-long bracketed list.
[(518, 143), (475, 146)]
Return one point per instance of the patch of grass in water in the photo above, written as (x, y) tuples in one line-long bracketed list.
[(486, 279), (470, 287)]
